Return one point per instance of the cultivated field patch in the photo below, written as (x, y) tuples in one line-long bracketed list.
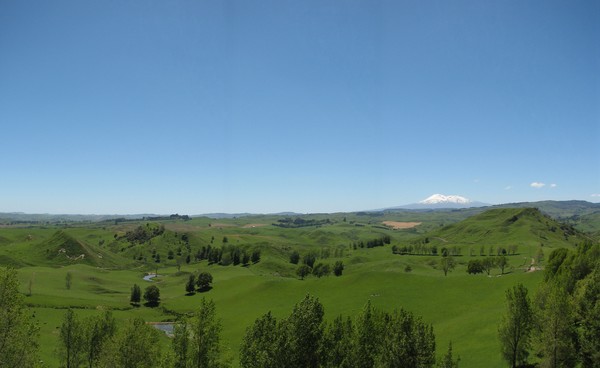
[(396, 225)]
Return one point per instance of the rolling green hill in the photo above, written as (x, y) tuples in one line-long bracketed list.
[(504, 227)]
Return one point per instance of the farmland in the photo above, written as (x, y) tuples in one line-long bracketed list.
[(105, 259)]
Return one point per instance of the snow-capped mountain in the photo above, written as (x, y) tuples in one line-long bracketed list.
[(440, 198), (438, 201)]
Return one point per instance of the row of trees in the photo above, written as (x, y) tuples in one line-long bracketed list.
[(373, 338), (476, 266), (561, 324), (425, 249), (228, 255)]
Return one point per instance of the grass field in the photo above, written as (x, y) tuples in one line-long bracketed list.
[(463, 308)]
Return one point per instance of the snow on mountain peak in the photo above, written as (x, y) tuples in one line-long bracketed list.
[(440, 198)]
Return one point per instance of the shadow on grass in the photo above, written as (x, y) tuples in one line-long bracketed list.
[(205, 289), (152, 304)]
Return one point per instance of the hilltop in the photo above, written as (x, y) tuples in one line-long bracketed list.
[(504, 227)]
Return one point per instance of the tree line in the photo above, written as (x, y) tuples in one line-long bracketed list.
[(560, 325), (308, 266)]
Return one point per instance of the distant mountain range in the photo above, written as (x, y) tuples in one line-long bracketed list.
[(436, 202)]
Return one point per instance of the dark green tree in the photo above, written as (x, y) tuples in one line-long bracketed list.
[(502, 262), (338, 268), (448, 360), (474, 266), (152, 295), (190, 286), (136, 294), (303, 271), (295, 257), (203, 281), (255, 256)]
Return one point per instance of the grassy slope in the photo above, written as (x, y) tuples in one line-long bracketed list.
[(463, 308)]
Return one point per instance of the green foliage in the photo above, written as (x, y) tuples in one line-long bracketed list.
[(203, 281), (18, 331), (587, 303), (447, 264), (190, 285), (516, 326), (136, 345), (321, 269), (152, 295), (338, 268), (136, 294), (68, 279), (302, 271), (475, 266), (205, 336), (71, 341), (259, 348), (556, 334), (98, 330), (448, 359), (294, 257)]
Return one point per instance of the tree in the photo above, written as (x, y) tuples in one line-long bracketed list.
[(136, 294), (295, 257), (447, 263), (259, 347), (556, 325), (406, 341), (152, 295), (98, 330), (448, 361), (588, 310), (474, 266), (309, 259), (190, 286), (205, 340), (305, 328), (502, 262), (18, 330), (181, 344), (303, 271), (337, 347), (71, 341), (516, 326), (136, 345), (321, 270), (367, 343), (255, 256), (338, 268), (488, 264), (68, 278), (203, 281)]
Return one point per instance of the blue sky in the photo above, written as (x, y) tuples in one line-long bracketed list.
[(308, 106)]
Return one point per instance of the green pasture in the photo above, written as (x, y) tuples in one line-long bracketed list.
[(463, 308)]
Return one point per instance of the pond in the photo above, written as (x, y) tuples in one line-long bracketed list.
[(166, 327), (150, 276)]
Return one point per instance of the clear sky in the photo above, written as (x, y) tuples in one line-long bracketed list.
[(284, 105)]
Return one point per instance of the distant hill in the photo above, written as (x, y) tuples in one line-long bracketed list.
[(63, 249), (504, 227)]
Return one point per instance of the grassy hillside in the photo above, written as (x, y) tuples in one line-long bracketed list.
[(505, 227)]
